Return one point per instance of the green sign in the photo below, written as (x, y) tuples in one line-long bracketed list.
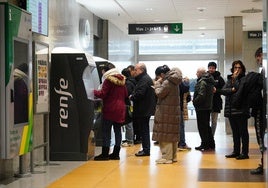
[(161, 28)]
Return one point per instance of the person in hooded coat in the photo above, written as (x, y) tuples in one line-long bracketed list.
[(167, 114), (113, 94)]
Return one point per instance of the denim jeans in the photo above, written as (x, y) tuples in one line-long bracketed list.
[(129, 132), (106, 133)]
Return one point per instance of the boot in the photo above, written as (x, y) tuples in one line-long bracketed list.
[(115, 154), (104, 156)]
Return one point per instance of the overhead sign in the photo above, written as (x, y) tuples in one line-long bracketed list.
[(160, 28)]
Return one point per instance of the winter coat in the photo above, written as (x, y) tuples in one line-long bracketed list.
[(217, 100), (130, 83), (203, 93), (230, 108), (167, 113), (143, 96), (113, 93)]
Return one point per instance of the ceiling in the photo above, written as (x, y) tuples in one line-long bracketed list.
[(200, 18)]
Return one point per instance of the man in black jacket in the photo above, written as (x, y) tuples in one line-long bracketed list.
[(144, 101)]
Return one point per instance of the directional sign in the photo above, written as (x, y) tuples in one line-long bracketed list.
[(161, 28)]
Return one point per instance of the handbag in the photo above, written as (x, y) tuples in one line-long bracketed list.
[(128, 114)]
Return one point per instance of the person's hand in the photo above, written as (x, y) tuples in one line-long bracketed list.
[(214, 89)]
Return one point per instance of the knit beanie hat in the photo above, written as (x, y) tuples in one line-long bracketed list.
[(212, 64)]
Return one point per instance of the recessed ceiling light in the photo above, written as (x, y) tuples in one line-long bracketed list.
[(201, 19), (253, 10), (201, 9), (201, 28), (149, 9), (202, 34)]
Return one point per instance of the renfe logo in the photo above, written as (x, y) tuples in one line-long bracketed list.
[(63, 102)]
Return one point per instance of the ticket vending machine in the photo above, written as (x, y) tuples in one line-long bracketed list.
[(15, 92), (73, 77)]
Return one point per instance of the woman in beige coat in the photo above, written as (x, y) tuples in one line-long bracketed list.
[(167, 114)]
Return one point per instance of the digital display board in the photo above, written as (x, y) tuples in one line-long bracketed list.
[(39, 10)]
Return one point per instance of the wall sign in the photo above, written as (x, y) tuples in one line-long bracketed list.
[(254, 34)]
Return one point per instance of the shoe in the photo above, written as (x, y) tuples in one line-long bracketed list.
[(232, 155), (257, 171), (137, 141), (174, 160), (127, 144), (199, 147), (242, 156), (156, 143), (163, 161), (114, 157), (184, 148), (142, 153), (101, 157)]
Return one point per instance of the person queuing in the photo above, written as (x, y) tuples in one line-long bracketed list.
[(217, 100), (202, 101), (113, 93), (237, 114), (185, 97), (135, 125), (130, 83), (167, 114), (144, 101)]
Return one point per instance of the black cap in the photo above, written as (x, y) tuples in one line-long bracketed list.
[(162, 69), (212, 64)]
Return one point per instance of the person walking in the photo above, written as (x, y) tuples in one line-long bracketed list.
[(113, 93), (202, 101), (144, 101), (259, 110), (236, 112), (217, 100), (167, 114)]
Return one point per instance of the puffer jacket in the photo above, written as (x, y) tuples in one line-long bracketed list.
[(113, 93), (167, 114), (203, 93), (230, 109)]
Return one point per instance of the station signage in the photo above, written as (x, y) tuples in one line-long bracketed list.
[(160, 28)]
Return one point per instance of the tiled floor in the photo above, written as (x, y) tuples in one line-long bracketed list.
[(193, 169)]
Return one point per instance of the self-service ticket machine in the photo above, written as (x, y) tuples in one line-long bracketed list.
[(72, 80), (16, 111)]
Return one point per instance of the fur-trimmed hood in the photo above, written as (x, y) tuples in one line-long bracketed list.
[(114, 76)]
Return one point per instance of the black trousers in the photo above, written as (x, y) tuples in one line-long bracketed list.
[(143, 122), (260, 126), (204, 129), (239, 126)]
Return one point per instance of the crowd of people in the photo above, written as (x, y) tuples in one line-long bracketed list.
[(166, 96)]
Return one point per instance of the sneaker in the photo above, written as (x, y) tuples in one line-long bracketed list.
[(127, 144), (163, 161), (184, 148)]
